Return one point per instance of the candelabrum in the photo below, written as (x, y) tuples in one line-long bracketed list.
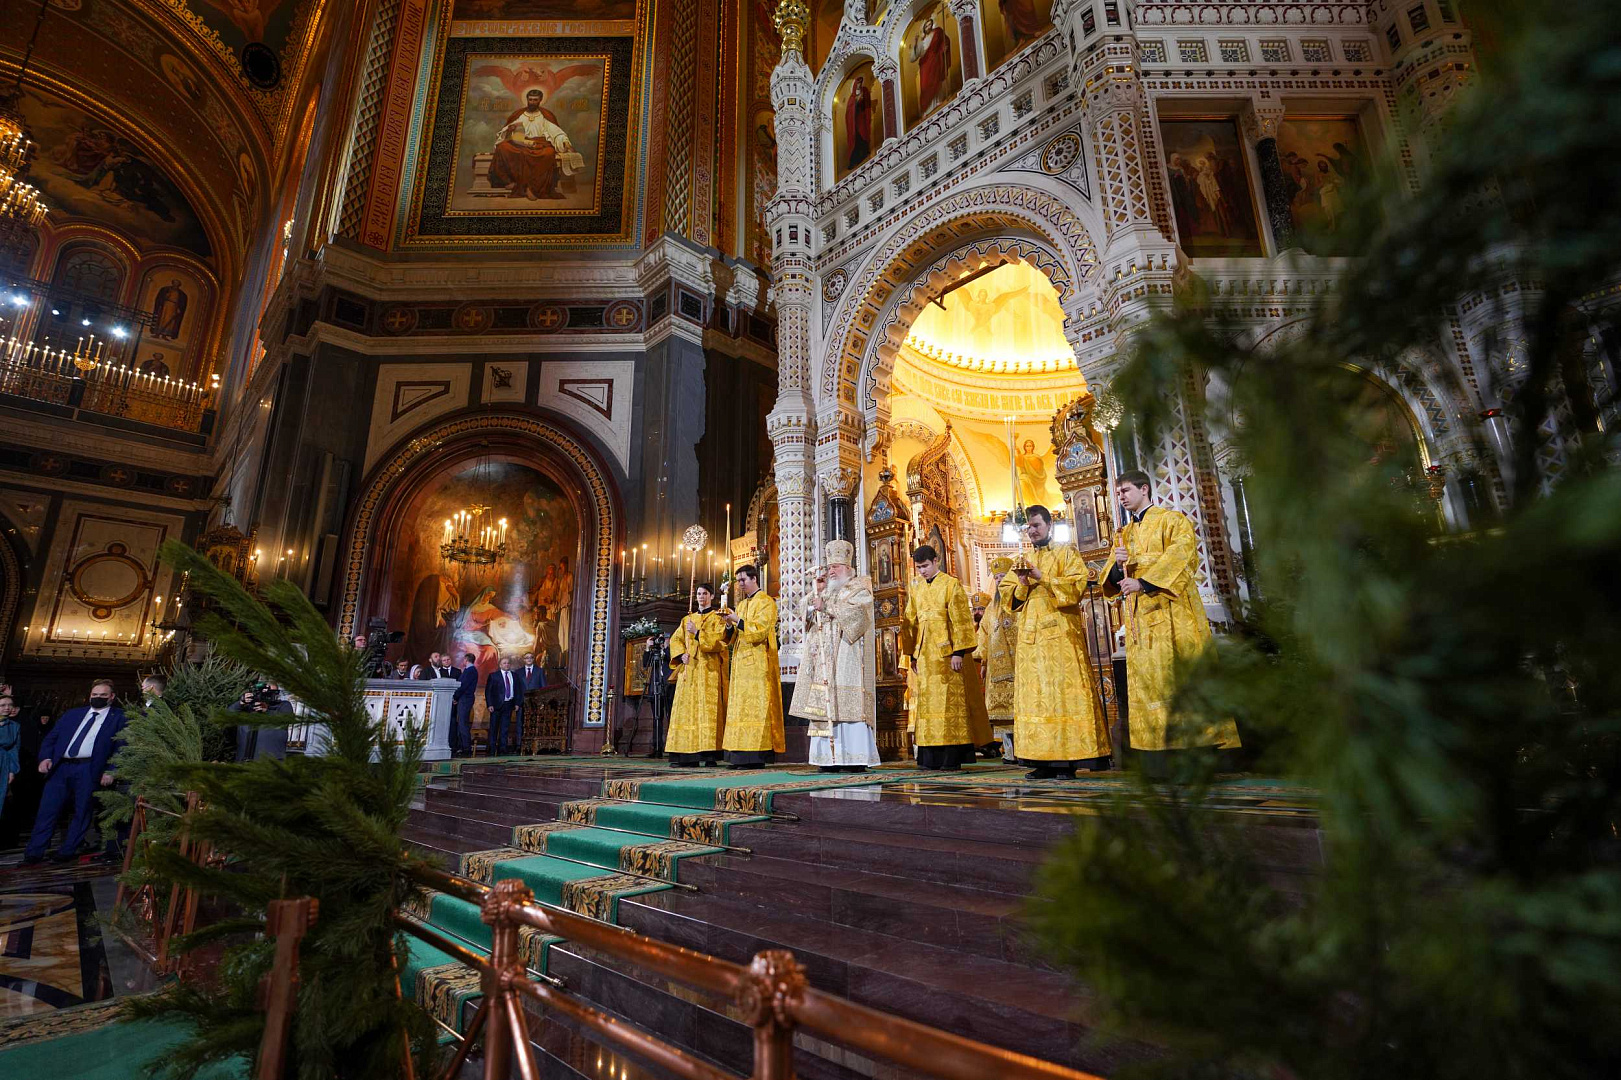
[(467, 539)]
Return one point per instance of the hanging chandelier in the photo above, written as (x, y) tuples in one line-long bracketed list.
[(474, 537), (22, 210)]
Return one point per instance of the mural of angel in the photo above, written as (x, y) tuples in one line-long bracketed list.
[(528, 77)]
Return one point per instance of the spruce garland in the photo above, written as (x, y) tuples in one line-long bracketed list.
[(1455, 701), (325, 827)]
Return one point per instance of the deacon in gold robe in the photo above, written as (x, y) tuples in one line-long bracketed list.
[(1154, 570), (753, 736), (698, 654), (1059, 725), (996, 640), (835, 689), (937, 632)]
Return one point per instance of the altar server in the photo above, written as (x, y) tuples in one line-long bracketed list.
[(753, 736), (937, 632), (996, 639), (699, 655), (835, 688), (1154, 570), (1059, 726)]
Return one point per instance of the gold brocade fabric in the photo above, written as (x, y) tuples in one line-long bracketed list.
[(698, 715), (997, 638), (938, 622), (835, 677), (1054, 699), (1162, 550), (754, 699)]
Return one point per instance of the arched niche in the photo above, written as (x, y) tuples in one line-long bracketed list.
[(403, 483), (930, 55), (857, 119)]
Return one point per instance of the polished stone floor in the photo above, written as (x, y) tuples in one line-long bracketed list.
[(57, 950)]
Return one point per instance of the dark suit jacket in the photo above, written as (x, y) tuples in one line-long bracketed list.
[(531, 678), (469, 686), (444, 673), (59, 739), (495, 689), (267, 742)]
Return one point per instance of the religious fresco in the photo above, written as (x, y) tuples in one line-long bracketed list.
[(1010, 25), (1031, 467), (931, 63), (858, 120), (87, 168), (179, 303), (527, 138), (1322, 158), (823, 29), (531, 131), (1210, 188), (545, 9), (760, 143), (1006, 320), (523, 605), (238, 22)]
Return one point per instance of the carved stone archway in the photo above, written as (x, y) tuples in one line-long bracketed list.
[(1002, 210), (535, 439)]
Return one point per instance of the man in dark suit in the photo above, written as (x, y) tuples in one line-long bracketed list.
[(74, 758), (461, 730), (502, 692), (439, 667), (530, 677)]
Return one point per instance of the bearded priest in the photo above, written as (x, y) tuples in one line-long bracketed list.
[(1154, 570), (698, 653), (937, 632), (1058, 727), (754, 735), (835, 688)]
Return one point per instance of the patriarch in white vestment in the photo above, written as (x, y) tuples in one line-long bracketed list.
[(835, 688)]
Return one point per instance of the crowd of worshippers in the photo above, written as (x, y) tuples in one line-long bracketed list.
[(1010, 674)]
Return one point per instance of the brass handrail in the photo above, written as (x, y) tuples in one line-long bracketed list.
[(772, 993)]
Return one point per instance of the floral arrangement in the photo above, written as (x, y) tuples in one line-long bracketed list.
[(646, 626)]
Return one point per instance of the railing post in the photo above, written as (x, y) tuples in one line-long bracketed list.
[(137, 826), (505, 1035), (287, 921), (774, 984)]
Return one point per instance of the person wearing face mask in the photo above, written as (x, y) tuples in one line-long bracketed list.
[(1058, 726), (74, 759)]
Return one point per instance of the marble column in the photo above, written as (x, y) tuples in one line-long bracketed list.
[(1260, 124)]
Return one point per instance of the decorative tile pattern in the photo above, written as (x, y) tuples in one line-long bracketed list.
[(1234, 52), (1192, 52), (1152, 52), (1358, 50), (1315, 51), (1275, 51)]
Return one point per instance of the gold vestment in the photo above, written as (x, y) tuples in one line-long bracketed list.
[(835, 684), (698, 715), (754, 701), (1055, 700), (997, 638), (1162, 550), (936, 624)]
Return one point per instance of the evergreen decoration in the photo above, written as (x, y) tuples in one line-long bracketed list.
[(644, 627), (1455, 700), (167, 733), (326, 827)]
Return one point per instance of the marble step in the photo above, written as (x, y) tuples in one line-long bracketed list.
[(964, 920), (572, 783), (469, 834), (987, 865), (525, 809), (1007, 1004)]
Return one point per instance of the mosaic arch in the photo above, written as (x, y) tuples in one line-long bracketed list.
[(949, 223), (977, 256), (507, 431), (1431, 407)]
